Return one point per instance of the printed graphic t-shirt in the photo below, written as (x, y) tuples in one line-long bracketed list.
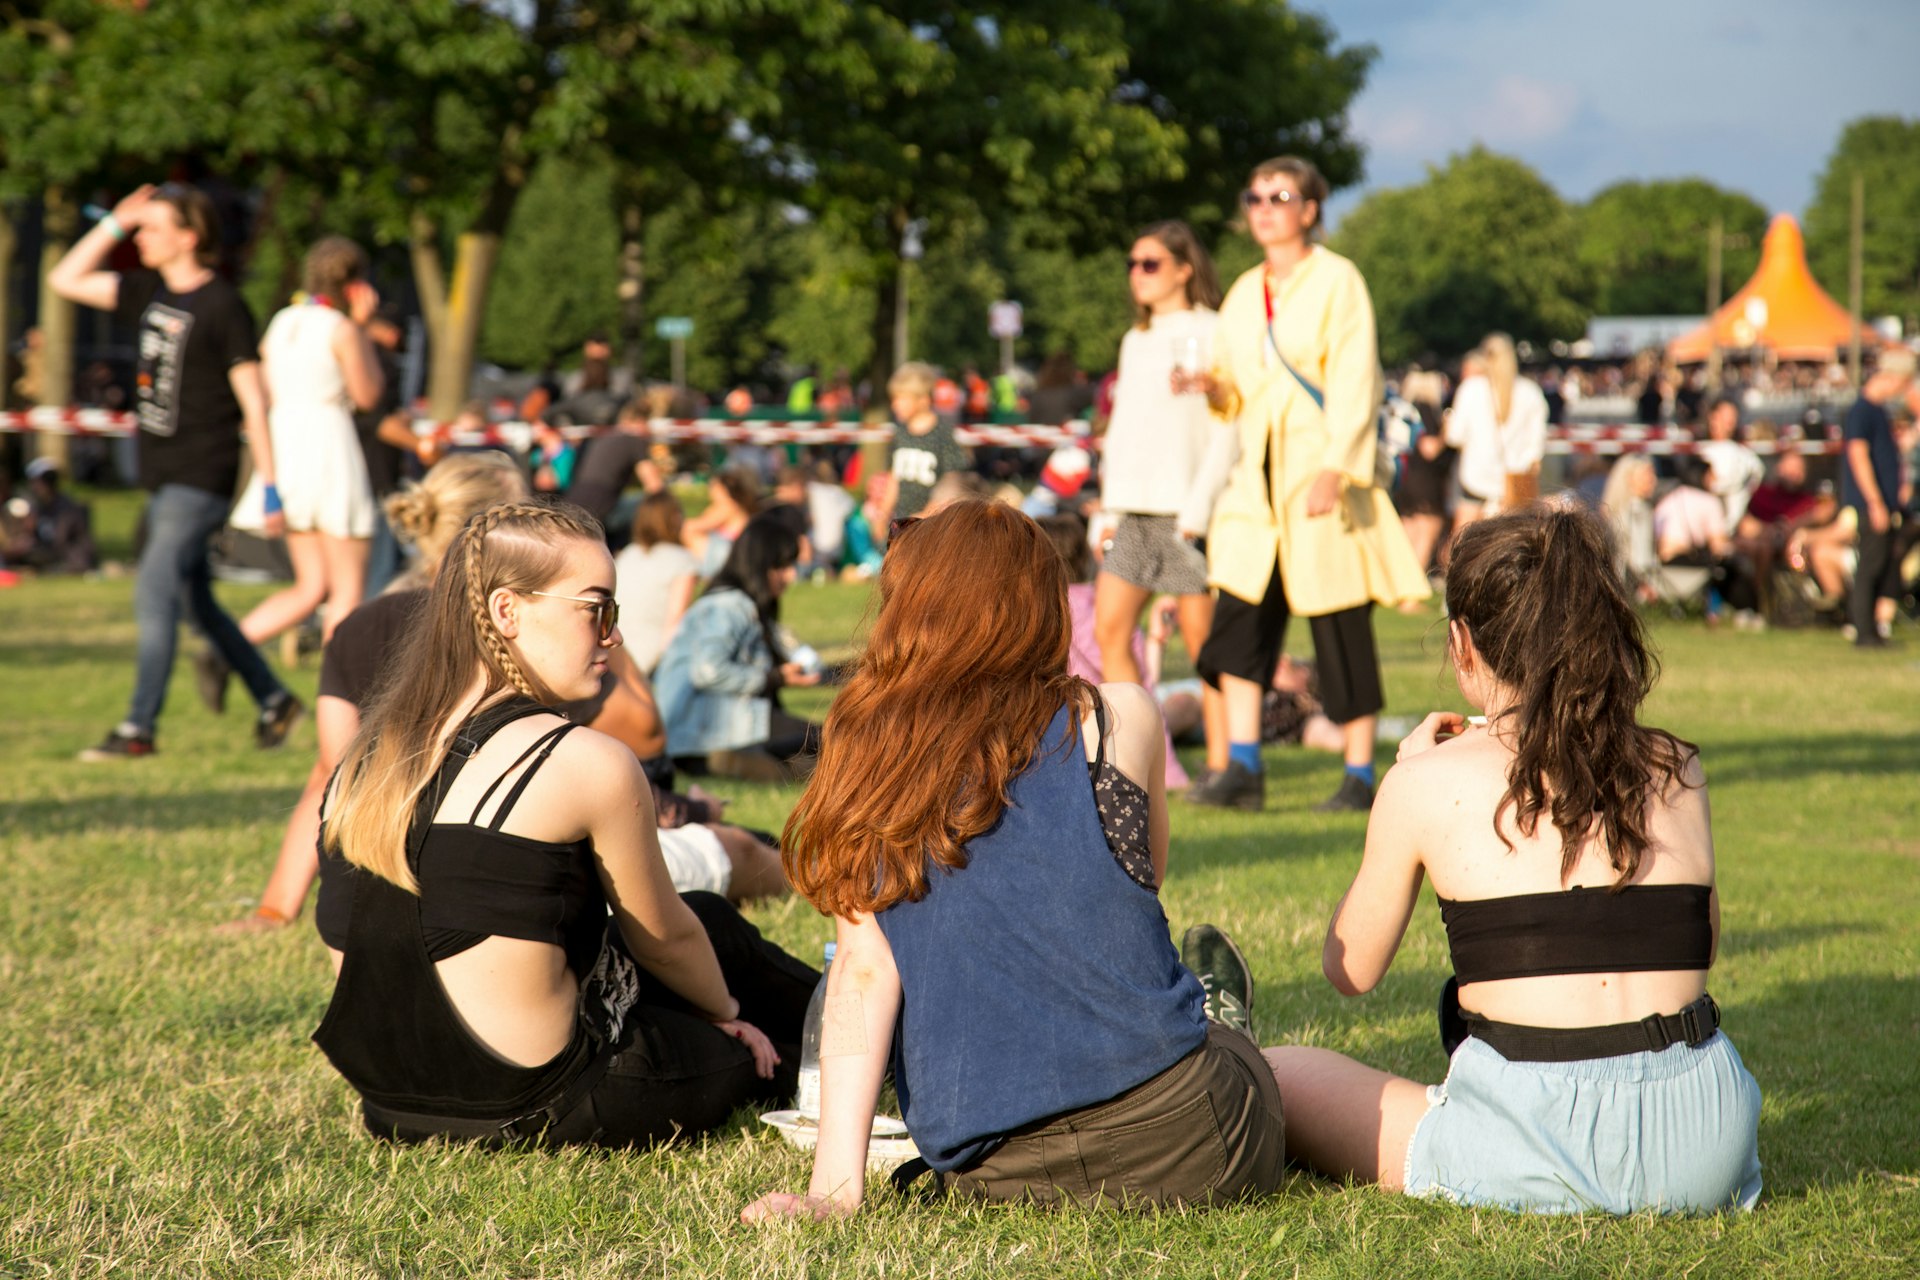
[(185, 344), (920, 461)]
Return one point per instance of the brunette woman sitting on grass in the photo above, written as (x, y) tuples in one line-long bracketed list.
[(474, 842), (1572, 852), (990, 834)]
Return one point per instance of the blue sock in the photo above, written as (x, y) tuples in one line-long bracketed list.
[(1247, 753), (1364, 772)]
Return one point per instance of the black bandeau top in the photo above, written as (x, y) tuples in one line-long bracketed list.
[(1642, 928)]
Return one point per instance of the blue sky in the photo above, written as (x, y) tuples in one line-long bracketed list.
[(1750, 95)]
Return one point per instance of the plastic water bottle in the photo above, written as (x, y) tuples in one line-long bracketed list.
[(806, 1099)]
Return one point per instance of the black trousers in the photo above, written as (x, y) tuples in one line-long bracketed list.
[(1248, 636), (1876, 577)]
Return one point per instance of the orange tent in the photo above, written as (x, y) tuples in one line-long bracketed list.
[(1782, 309)]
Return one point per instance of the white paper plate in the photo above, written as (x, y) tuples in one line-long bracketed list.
[(889, 1146)]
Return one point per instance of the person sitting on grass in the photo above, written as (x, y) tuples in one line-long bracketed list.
[(700, 854), (1572, 852), (719, 680), (990, 833), (476, 841)]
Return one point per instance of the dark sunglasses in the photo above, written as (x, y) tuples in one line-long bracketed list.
[(1146, 266), (606, 611), (1253, 199), (897, 527)]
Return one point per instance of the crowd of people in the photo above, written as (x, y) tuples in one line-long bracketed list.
[(546, 947)]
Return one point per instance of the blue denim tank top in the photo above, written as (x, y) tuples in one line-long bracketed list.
[(1038, 979)]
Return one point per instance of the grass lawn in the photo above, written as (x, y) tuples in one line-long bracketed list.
[(162, 1112)]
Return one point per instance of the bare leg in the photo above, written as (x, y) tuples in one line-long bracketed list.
[(290, 607), (757, 872), (1117, 604), (1358, 734), (1344, 1117), (1196, 619), (1423, 532), (1213, 715), (1242, 698), (1322, 734), (346, 561)]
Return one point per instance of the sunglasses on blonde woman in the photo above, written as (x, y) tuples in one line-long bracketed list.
[(606, 612)]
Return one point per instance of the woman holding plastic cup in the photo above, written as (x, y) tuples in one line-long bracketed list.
[(1165, 457)]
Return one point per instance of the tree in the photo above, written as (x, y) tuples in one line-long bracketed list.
[(1884, 151), (1483, 244), (1644, 245)]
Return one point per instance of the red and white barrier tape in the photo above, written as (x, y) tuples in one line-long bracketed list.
[(1579, 440)]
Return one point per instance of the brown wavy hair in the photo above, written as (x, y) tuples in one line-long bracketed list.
[(965, 665), (1203, 286), (1537, 593)]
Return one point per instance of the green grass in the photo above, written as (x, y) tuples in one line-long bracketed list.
[(162, 1112)]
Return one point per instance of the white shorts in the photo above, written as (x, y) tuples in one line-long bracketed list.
[(695, 859)]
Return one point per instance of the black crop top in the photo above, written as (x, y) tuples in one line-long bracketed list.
[(478, 882), (1643, 928)]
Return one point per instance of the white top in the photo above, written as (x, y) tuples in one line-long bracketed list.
[(1737, 472), (318, 466), (301, 366), (642, 581), (1491, 450), (1156, 459)]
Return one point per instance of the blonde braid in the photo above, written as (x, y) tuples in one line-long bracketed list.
[(491, 641)]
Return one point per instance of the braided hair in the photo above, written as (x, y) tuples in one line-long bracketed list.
[(516, 546)]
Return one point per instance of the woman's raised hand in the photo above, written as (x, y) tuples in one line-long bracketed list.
[(362, 301), (1431, 732), (764, 1057), (792, 673)]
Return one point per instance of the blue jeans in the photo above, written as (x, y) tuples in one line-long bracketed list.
[(384, 561), (176, 579)]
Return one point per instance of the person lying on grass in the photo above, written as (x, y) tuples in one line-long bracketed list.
[(473, 843), (990, 834), (1572, 852)]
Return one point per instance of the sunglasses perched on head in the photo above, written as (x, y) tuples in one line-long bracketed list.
[(606, 612), (897, 527), (1146, 266), (1275, 199)]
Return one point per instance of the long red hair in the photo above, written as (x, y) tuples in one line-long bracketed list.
[(965, 665)]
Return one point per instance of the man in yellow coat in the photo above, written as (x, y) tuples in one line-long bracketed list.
[(1305, 525)]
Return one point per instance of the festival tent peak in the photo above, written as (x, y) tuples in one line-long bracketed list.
[(1782, 310)]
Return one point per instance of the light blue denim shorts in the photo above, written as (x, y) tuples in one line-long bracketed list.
[(1675, 1131)]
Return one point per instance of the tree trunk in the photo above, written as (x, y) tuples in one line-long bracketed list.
[(886, 302), (8, 244), (457, 339), (633, 290), (61, 220)]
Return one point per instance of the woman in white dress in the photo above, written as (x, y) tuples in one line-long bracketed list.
[(1499, 424), (320, 366)]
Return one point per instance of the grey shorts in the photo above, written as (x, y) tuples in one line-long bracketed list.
[(1149, 552), (1207, 1129)]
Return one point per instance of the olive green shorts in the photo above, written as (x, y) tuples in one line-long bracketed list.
[(1206, 1129)]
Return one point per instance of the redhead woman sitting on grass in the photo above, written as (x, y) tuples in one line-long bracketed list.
[(990, 834)]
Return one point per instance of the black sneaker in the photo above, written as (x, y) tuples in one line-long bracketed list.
[(276, 720), (210, 674), (1223, 975), (119, 745), (1234, 787), (1354, 796)]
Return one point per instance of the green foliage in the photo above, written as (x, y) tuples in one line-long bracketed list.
[(557, 278), (1483, 244), (1885, 152), (1644, 245)]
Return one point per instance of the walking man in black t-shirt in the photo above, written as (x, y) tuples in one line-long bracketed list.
[(1870, 485), (198, 387)]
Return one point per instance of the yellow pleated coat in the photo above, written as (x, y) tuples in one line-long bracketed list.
[(1323, 324)]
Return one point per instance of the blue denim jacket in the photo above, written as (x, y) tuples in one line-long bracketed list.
[(711, 684)]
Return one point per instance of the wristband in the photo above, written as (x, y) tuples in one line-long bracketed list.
[(269, 500), (112, 224)]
